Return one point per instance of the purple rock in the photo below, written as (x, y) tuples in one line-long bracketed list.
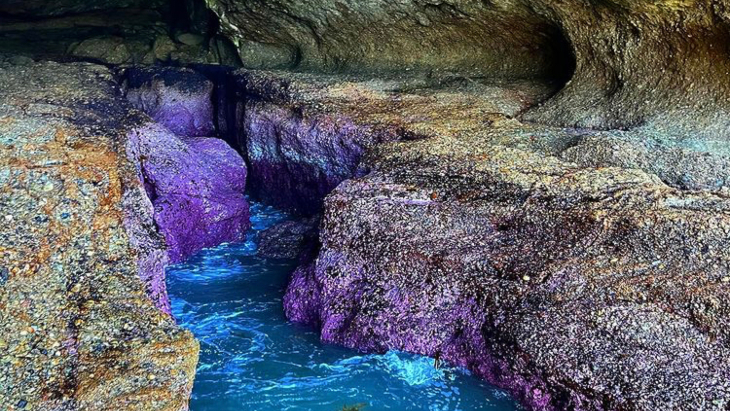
[(178, 98), (197, 188), (530, 295), (296, 161), (297, 149)]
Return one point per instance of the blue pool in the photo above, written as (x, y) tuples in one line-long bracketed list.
[(253, 359)]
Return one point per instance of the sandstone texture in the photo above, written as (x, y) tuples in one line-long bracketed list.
[(79, 330)]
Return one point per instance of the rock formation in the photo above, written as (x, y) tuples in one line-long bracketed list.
[(304, 134), (573, 286), (538, 187), (660, 64), (78, 329), (195, 183), (289, 240), (97, 200)]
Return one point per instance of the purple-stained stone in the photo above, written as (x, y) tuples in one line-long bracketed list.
[(178, 98), (295, 162), (518, 293), (196, 186)]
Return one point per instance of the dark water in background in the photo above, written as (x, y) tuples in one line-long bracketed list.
[(253, 359)]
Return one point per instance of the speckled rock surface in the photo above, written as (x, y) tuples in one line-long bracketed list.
[(177, 98), (196, 186), (572, 267), (195, 183), (290, 240), (303, 134), (77, 329)]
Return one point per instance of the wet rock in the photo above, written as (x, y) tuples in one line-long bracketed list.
[(77, 323), (557, 263), (178, 98), (289, 240), (196, 186), (574, 288)]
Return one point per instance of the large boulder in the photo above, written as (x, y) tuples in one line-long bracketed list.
[(196, 183), (197, 188), (291, 240)]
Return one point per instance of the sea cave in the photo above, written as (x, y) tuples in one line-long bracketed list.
[(340, 205)]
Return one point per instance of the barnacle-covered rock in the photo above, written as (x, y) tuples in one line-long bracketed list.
[(82, 294)]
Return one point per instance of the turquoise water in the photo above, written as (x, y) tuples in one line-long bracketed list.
[(253, 359)]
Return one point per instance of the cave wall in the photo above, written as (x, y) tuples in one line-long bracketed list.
[(176, 32), (474, 37), (658, 64), (661, 64)]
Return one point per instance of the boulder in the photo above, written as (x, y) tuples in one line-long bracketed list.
[(112, 50), (196, 186), (289, 240)]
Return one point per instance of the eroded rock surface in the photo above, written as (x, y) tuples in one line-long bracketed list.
[(570, 266), (177, 98), (79, 329), (303, 134), (196, 186), (196, 183), (660, 64)]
